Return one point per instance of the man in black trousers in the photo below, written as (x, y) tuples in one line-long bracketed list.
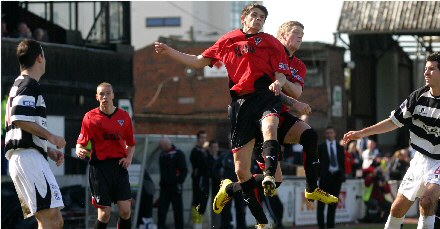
[(332, 174)]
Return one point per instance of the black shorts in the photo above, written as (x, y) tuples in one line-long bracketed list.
[(109, 183), (245, 114), (287, 120)]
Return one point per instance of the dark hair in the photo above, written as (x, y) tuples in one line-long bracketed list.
[(27, 52), (435, 56), (213, 142), (247, 9), (200, 133), (329, 127)]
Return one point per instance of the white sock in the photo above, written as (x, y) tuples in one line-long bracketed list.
[(426, 222), (393, 222)]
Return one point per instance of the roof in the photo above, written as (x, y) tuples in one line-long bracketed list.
[(390, 17)]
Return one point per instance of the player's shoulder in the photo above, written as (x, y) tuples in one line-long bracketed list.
[(419, 92), (123, 112), (232, 34), (27, 84), (93, 112)]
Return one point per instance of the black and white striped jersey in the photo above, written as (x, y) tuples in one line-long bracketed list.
[(25, 103), (421, 113)]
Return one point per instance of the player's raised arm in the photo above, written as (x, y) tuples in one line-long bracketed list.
[(184, 58)]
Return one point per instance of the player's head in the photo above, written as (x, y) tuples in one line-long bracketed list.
[(290, 34), (253, 17), (432, 70), (30, 54), (104, 94)]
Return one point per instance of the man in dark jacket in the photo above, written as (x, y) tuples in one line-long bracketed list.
[(173, 172), (332, 174)]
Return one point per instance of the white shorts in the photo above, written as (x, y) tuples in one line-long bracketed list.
[(422, 170), (32, 179)]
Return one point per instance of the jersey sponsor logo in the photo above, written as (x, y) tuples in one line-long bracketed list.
[(121, 122), (283, 66), (432, 130), (108, 136), (258, 40), (437, 171), (423, 111), (298, 78), (240, 50), (28, 103), (294, 71)]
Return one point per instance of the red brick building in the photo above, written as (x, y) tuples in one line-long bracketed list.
[(187, 100)]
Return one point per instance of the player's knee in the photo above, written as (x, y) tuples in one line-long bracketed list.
[(242, 174), (125, 212), (427, 204), (104, 214), (58, 223), (309, 138)]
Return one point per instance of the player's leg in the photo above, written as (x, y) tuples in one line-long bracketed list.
[(50, 218), (123, 197), (399, 208), (124, 221), (100, 177), (36, 187), (104, 213), (294, 130), (302, 133), (271, 151), (428, 205), (242, 161)]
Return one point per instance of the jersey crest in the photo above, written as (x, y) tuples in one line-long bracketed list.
[(121, 122), (258, 40)]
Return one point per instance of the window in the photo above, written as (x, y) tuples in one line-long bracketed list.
[(163, 22)]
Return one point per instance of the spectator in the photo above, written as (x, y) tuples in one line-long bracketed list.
[(173, 172), (200, 178), (376, 189), (369, 154), (361, 144), (357, 160), (23, 31), (349, 162), (398, 165), (5, 32), (40, 35), (332, 174), (216, 158)]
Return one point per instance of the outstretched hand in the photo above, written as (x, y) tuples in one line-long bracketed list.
[(160, 48), (351, 135)]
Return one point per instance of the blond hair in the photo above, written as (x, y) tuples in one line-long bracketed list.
[(287, 27)]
